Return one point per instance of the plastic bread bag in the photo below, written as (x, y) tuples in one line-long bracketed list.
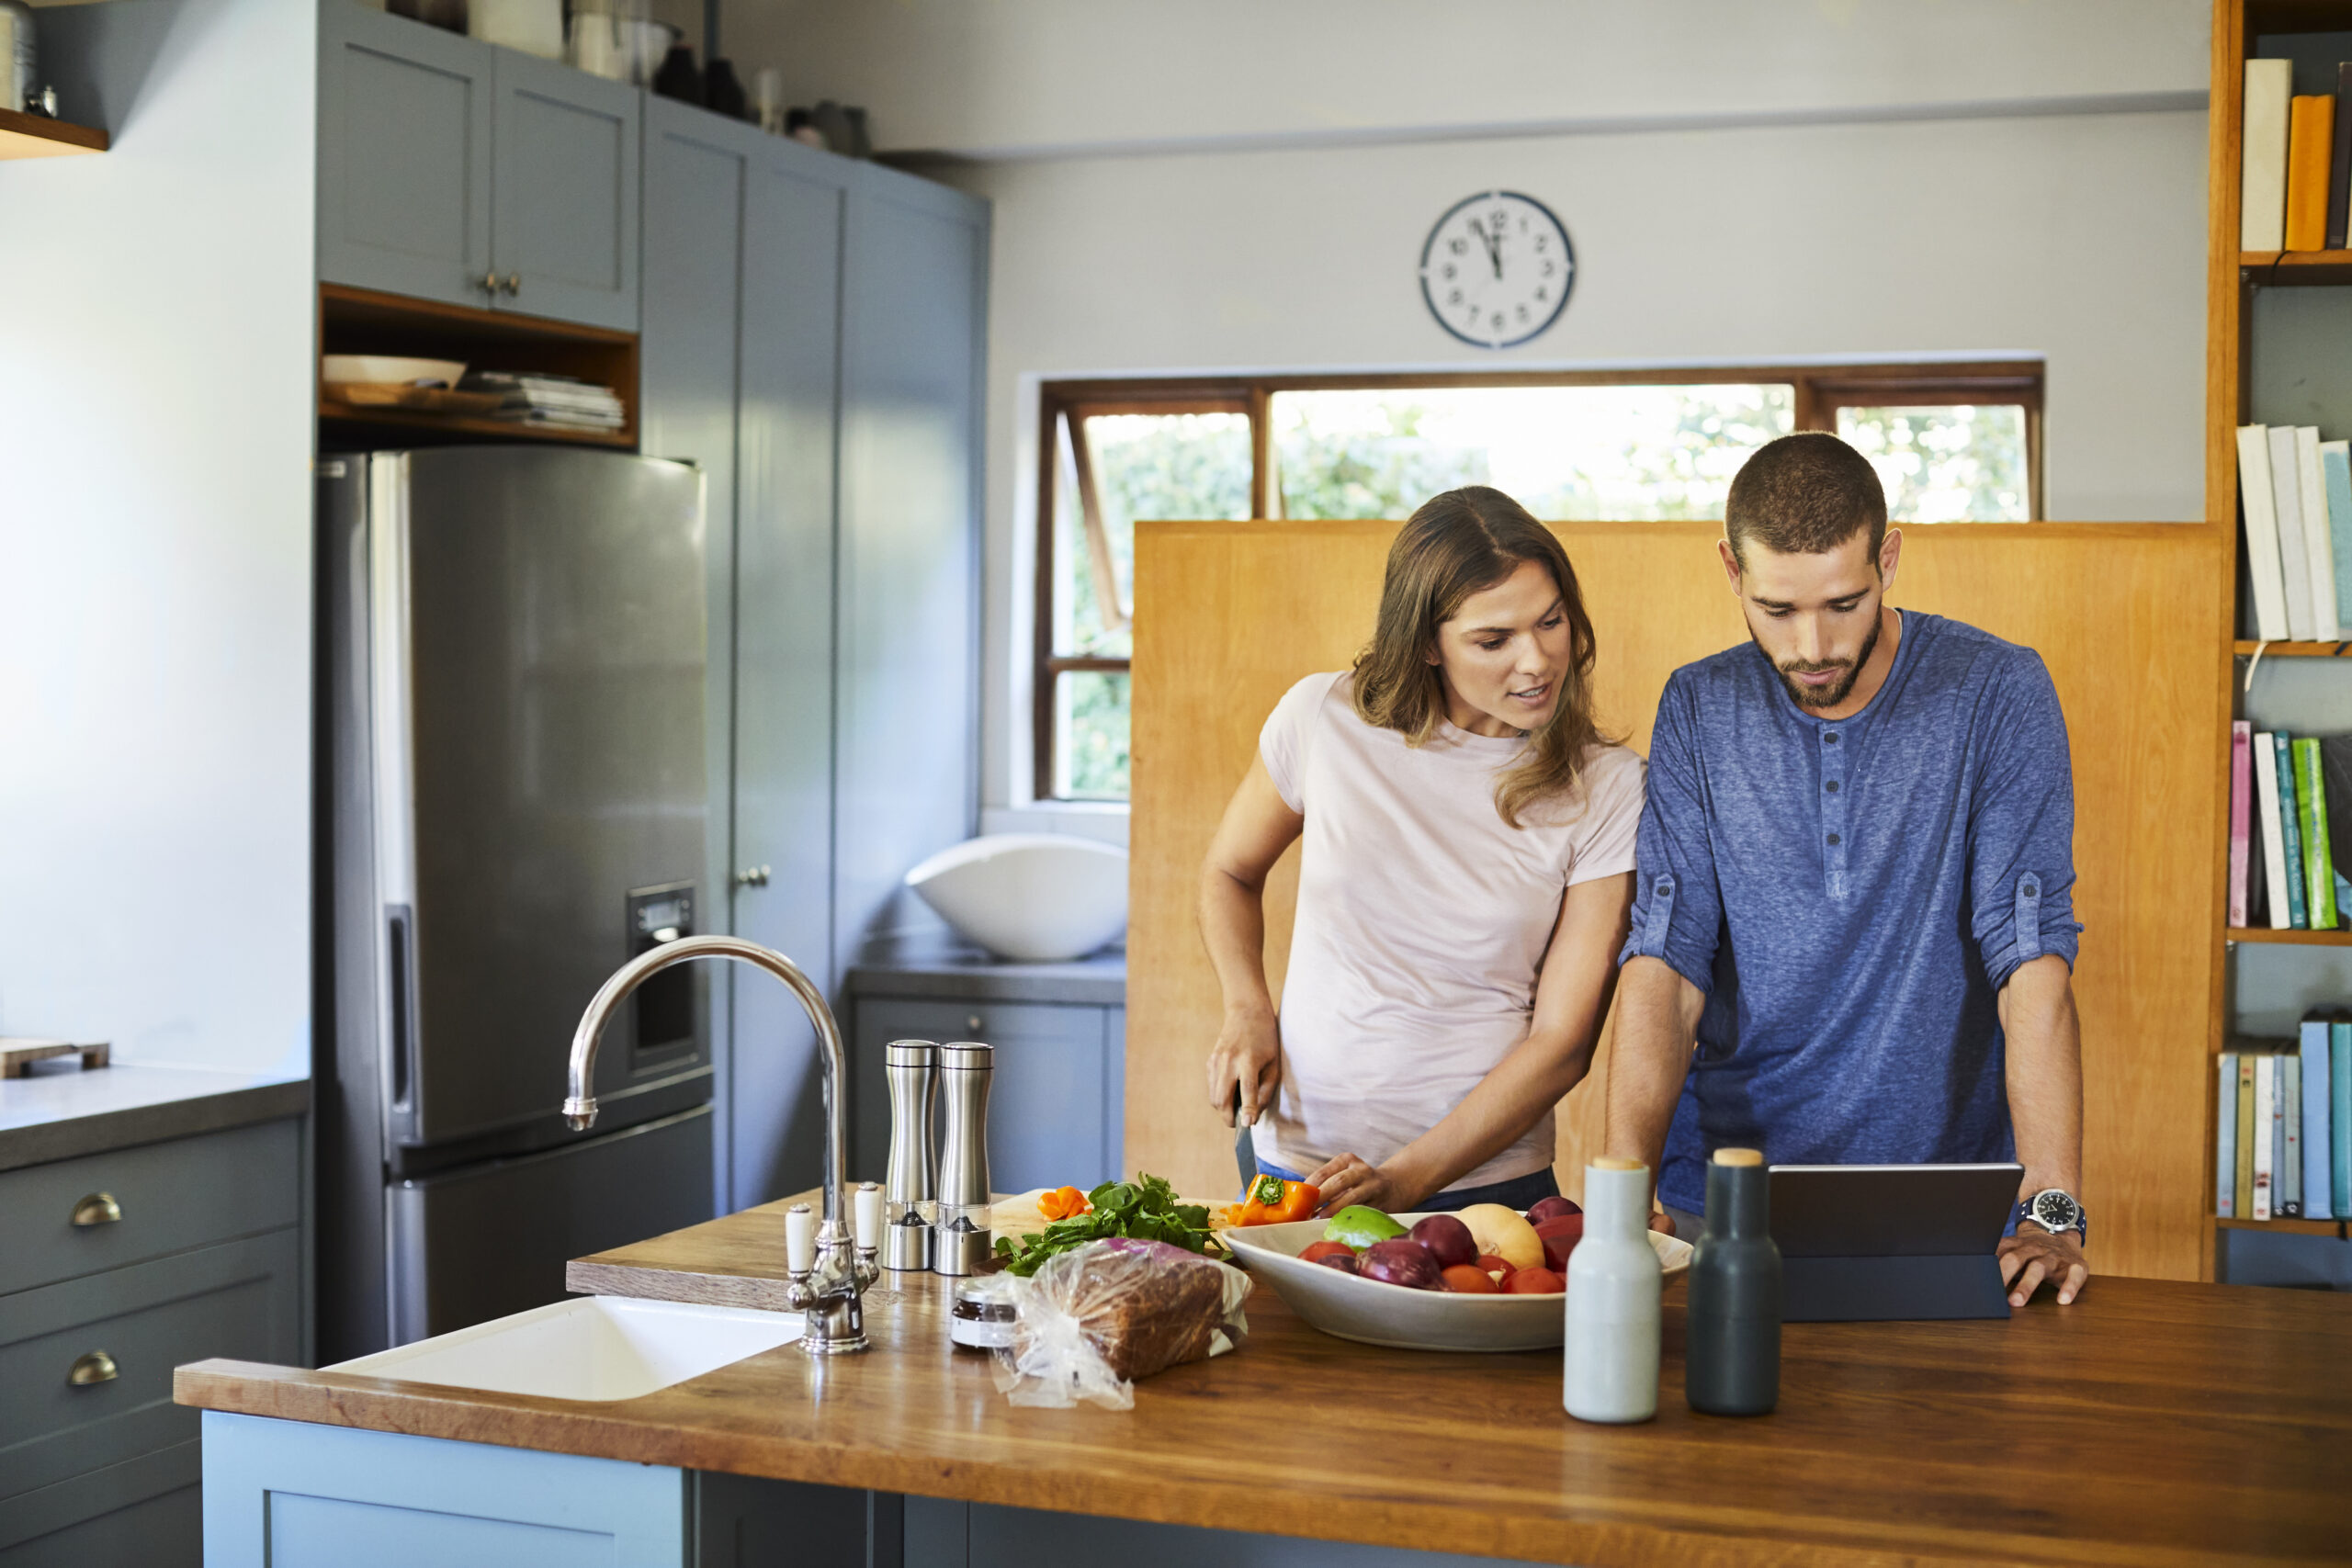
[(1093, 1319)]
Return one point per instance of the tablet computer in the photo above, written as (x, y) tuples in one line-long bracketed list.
[(1883, 1242)]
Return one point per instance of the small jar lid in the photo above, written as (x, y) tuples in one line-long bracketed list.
[(968, 1054), (909, 1054)]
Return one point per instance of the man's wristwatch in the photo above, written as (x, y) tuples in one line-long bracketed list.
[(2054, 1210)]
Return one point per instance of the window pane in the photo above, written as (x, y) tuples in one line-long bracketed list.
[(1616, 453), (1091, 727), (1184, 466), (1958, 463)]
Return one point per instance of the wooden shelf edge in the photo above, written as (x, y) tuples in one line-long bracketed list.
[(2270, 269), (2292, 649), (30, 136), (344, 302), (2332, 1228), (2291, 938), (346, 414)]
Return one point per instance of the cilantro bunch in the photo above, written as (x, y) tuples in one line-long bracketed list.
[(1145, 1209)]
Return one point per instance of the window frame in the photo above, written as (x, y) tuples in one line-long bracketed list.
[(1819, 391)]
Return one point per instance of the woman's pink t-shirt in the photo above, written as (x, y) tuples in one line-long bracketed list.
[(1422, 923)]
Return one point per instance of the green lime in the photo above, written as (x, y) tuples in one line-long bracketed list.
[(1360, 1226)]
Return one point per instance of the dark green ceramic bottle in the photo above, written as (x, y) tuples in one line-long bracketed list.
[(1733, 1365)]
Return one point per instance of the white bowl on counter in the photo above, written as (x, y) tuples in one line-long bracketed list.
[(1372, 1312), (387, 370), (1031, 897)]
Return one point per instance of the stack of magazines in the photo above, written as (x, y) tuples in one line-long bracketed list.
[(559, 401)]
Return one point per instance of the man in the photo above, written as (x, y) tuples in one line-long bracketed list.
[(1853, 930)]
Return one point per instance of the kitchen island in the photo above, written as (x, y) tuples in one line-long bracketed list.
[(2151, 1423)]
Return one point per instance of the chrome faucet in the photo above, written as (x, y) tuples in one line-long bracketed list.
[(828, 1289)]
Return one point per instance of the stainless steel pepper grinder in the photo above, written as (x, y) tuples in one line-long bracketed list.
[(963, 1239), (909, 1186)]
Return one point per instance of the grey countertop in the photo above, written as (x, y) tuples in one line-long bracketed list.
[(58, 1112), (1099, 981)]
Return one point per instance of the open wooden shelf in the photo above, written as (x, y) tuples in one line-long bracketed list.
[(2335, 1228), (2292, 649), (2287, 269), (2293, 937), (360, 321), (30, 136)]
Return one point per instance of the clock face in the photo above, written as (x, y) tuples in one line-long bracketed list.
[(1497, 269)]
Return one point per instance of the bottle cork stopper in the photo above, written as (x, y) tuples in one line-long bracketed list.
[(1739, 1157), (1616, 1162)]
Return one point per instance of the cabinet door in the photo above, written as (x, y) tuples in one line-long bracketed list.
[(1046, 1119), (907, 675), (783, 651), (563, 235), (405, 167)]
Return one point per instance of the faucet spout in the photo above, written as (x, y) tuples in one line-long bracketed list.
[(840, 1278)]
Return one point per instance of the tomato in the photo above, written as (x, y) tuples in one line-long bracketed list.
[(1323, 1249), (1469, 1280), (1535, 1282), (1493, 1268)]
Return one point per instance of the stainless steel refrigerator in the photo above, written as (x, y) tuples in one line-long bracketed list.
[(513, 803)]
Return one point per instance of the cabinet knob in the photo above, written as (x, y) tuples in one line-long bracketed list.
[(972, 1024), (513, 284), (95, 1367), (753, 877), (98, 1209), (490, 283)]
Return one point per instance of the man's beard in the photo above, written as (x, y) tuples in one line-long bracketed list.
[(1827, 696)]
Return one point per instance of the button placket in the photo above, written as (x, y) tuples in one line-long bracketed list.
[(1835, 838)]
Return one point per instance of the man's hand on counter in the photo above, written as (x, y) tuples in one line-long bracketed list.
[(2033, 1255)]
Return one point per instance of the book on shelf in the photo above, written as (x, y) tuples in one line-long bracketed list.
[(2335, 485), (2241, 816), (2275, 882), (2261, 533), (2294, 548), (2284, 1110), (2262, 176), (2311, 139), (2311, 806), (2339, 189), (2319, 548), (2290, 833)]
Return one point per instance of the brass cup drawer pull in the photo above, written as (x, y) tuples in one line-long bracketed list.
[(98, 1367), (98, 1209)]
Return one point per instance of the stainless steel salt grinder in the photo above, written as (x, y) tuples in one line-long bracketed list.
[(910, 1183), (963, 1243)]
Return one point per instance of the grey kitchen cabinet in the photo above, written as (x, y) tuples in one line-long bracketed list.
[(452, 169), (204, 1258), (752, 370), (1055, 1098)]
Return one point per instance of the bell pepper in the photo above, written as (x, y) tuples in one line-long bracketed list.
[(1061, 1202), (1274, 1202)]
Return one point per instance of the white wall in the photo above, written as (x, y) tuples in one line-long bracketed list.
[(1229, 185), (156, 437)]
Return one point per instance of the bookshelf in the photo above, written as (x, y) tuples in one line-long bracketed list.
[(2264, 975)]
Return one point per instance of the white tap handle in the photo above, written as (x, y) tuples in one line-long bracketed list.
[(868, 1216), (799, 1239)]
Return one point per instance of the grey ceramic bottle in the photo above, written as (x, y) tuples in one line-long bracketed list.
[(1733, 1363)]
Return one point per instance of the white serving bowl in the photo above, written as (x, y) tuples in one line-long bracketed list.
[(1035, 898), (1374, 1312), (387, 370)]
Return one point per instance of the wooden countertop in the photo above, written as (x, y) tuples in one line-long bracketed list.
[(2150, 1422)]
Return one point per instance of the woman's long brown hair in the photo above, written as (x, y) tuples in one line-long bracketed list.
[(1457, 545)]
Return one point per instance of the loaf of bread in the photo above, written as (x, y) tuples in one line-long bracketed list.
[(1119, 1307)]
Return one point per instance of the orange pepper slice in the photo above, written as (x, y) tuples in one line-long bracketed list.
[(1061, 1202)]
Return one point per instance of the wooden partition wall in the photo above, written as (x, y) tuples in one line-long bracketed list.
[(1229, 614)]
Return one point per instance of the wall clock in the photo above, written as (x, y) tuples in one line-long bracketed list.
[(1497, 269)]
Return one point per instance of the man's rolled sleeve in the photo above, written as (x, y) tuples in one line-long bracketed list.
[(2021, 824), (1678, 907)]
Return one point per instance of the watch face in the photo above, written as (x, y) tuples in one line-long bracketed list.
[(1497, 269), (2055, 1212)]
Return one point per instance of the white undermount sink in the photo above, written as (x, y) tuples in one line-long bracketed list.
[(597, 1347)]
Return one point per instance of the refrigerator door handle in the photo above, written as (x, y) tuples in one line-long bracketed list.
[(401, 991)]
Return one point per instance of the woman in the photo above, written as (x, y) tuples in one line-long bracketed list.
[(1462, 891)]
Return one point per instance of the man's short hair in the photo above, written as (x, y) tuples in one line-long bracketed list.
[(1804, 494)]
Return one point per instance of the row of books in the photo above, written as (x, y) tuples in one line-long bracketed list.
[(543, 399), (2296, 490), (2290, 799), (2296, 156), (2284, 1149)]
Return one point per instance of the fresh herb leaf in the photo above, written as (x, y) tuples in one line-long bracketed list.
[(1145, 1209)]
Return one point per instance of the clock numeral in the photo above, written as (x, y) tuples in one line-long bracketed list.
[(1454, 297), (1541, 292), (1457, 246), (1522, 311), (1498, 321), (1547, 269), (1449, 271), (1542, 241)]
